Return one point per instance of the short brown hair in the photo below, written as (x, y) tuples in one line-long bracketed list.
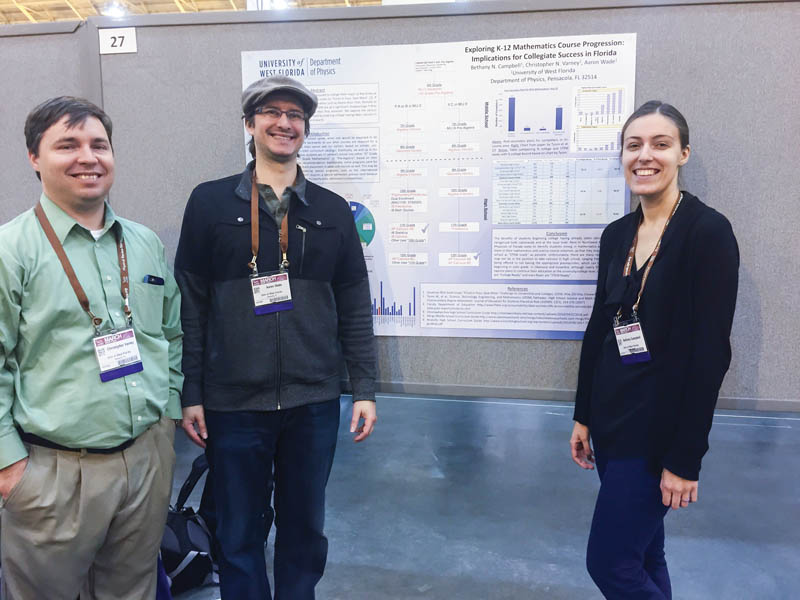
[(50, 112)]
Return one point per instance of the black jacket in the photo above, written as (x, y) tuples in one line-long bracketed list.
[(662, 409), (234, 359)]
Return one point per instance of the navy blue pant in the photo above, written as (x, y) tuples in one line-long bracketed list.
[(249, 454), (625, 555), (162, 587)]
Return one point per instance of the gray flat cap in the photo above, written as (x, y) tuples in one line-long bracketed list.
[(258, 91)]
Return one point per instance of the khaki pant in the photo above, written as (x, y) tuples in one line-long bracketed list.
[(88, 524)]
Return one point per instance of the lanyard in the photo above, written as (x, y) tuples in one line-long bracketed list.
[(73, 279), (632, 253), (283, 235)]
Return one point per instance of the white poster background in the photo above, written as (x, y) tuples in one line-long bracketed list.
[(480, 174)]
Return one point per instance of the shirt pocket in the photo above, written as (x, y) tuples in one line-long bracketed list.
[(147, 305)]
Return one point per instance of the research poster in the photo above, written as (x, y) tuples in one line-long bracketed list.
[(480, 174)]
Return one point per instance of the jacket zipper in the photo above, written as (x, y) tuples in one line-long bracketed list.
[(278, 334), (278, 331), (302, 247)]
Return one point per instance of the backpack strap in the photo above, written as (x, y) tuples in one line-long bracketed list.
[(199, 466)]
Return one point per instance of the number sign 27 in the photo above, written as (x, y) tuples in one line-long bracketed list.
[(119, 40)]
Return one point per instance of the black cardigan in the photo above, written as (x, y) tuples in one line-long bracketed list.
[(662, 409)]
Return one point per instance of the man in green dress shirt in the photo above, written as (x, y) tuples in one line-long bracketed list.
[(89, 376)]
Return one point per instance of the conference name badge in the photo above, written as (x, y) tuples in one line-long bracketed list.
[(271, 292), (117, 354), (630, 342)]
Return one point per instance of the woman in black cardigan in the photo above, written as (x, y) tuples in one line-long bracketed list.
[(654, 354)]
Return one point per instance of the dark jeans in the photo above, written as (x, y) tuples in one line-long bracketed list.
[(249, 453), (162, 587), (625, 555)]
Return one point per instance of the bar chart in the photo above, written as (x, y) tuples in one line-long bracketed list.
[(530, 113), (386, 311), (598, 138), (599, 115), (599, 106)]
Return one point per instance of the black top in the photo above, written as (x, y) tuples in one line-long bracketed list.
[(661, 409)]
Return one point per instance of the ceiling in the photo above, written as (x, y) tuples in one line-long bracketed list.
[(38, 11)]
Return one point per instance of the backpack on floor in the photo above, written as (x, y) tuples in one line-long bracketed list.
[(187, 544)]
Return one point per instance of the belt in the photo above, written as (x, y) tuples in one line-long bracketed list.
[(38, 441)]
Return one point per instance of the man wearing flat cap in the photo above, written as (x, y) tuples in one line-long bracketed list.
[(275, 296)]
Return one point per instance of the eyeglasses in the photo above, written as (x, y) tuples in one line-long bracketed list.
[(274, 114)]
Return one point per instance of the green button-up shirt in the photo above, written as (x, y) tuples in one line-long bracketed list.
[(49, 377)]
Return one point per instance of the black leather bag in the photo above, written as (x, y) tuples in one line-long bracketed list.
[(187, 545)]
